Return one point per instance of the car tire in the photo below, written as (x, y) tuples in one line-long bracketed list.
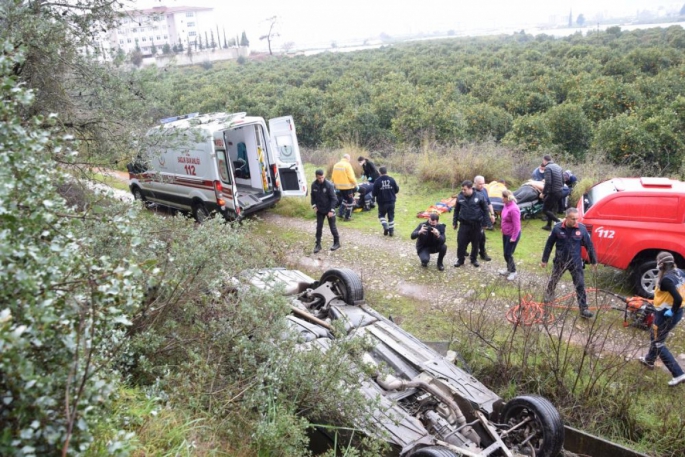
[(644, 278), (200, 213), (433, 451), (348, 284), (546, 425), (138, 194)]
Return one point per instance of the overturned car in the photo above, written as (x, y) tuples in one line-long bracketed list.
[(428, 406)]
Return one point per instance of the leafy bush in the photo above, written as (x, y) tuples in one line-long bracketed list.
[(65, 305)]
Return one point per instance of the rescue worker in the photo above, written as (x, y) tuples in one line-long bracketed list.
[(346, 183), (539, 173), (323, 201), (488, 217), (430, 239), (385, 191), (568, 236), (370, 173), (668, 300), (468, 216), (552, 191)]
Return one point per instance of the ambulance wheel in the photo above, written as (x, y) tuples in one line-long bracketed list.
[(137, 194), (200, 212), (346, 284), (644, 278)]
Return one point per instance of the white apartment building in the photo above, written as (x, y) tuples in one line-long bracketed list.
[(162, 25)]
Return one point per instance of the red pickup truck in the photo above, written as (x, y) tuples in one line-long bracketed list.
[(631, 220)]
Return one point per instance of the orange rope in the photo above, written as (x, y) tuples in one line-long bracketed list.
[(529, 312)]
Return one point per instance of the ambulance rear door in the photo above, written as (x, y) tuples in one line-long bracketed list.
[(290, 170)]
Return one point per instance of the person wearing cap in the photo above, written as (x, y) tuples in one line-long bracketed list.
[(430, 239), (668, 300), (569, 182), (385, 191), (569, 236), (552, 191), (346, 183), (323, 201), (370, 173)]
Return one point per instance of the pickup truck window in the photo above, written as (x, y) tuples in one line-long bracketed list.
[(598, 192)]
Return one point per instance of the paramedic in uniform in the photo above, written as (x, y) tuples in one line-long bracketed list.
[(323, 202), (346, 183), (385, 190), (468, 216), (430, 239), (668, 300), (568, 236)]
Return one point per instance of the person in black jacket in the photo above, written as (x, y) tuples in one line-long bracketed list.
[(468, 216), (385, 190), (370, 173), (430, 239), (569, 236), (324, 202), (553, 190)]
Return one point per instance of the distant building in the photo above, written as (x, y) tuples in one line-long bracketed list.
[(161, 25)]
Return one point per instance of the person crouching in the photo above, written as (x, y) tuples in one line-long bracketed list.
[(430, 239)]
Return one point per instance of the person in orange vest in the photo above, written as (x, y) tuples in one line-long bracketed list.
[(345, 182), (668, 300)]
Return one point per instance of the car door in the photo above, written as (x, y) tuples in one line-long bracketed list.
[(287, 154)]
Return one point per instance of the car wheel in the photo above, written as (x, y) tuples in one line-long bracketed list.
[(137, 194), (540, 420), (200, 212), (346, 283), (644, 278), (433, 451)]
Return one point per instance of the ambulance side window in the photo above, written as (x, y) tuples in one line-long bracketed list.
[(222, 165)]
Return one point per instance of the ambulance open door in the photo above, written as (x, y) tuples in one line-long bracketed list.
[(290, 170)]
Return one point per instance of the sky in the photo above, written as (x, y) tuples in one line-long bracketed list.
[(309, 22)]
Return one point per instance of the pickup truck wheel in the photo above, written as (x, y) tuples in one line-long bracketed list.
[(433, 451), (644, 278), (200, 212), (346, 283), (540, 420)]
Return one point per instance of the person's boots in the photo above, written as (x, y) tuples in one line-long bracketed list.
[(336, 245), (317, 248), (391, 232)]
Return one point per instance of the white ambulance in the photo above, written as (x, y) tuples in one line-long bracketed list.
[(219, 162)]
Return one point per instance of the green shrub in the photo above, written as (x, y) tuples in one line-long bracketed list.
[(65, 305)]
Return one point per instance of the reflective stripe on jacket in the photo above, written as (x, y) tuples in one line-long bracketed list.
[(663, 299), (343, 175)]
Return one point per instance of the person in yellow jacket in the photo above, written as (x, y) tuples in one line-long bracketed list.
[(345, 182), (668, 300)]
